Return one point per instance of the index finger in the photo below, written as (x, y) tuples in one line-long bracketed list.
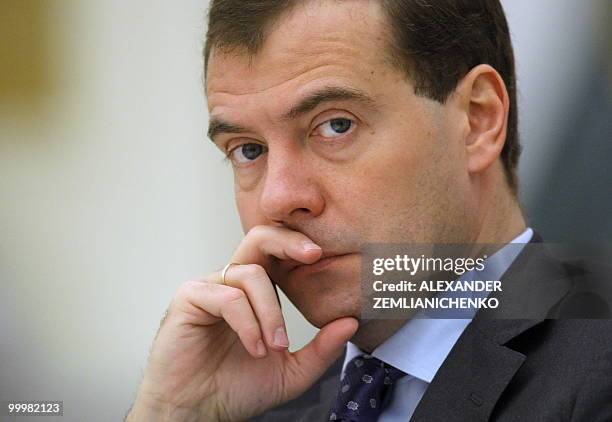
[(261, 242)]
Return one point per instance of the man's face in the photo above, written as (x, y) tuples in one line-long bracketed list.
[(327, 138)]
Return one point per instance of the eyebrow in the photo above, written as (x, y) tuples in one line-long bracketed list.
[(327, 94), (218, 126)]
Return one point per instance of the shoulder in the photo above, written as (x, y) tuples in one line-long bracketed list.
[(590, 293)]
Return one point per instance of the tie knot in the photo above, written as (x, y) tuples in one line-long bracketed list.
[(364, 385)]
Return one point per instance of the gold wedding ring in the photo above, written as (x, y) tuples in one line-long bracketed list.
[(225, 271)]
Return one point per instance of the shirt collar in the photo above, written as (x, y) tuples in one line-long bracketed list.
[(421, 345)]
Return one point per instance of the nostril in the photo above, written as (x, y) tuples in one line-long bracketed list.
[(299, 211)]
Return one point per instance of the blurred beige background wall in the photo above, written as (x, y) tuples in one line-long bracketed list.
[(111, 196)]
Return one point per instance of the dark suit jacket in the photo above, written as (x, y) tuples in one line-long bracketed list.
[(544, 368)]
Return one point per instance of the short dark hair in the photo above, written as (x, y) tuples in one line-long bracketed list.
[(435, 42)]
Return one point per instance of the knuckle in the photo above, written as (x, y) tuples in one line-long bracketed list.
[(183, 297), (234, 296), (186, 289), (255, 272), (258, 232)]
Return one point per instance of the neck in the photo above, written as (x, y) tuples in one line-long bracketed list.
[(374, 332), (502, 219)]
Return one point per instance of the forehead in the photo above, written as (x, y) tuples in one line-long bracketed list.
[(318, 41)]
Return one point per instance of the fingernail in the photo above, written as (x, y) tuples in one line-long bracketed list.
[(310, 246), (261, 348), (280, 338)]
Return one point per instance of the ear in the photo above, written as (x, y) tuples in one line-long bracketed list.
[(485, 102)]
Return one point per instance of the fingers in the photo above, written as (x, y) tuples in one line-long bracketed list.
[(255, 291), (230, 304), (248, 301), (254, 281), (312, 360), (261, 242)]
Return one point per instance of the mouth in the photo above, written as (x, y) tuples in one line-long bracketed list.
[(327, 260)]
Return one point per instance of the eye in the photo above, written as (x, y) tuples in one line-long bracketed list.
[(246, 153), (334, 128)]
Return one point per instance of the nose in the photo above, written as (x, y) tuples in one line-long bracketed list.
[(290, 191)]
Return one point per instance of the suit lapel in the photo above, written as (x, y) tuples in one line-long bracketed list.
[(480, 366), (469, 383)]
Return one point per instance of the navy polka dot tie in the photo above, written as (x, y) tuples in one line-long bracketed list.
[(364, 385)]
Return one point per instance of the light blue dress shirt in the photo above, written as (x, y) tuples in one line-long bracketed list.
[(422, 344)]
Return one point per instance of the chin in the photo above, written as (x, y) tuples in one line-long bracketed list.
[(322, 313), (322, 306)]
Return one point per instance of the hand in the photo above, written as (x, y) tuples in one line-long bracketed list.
[(221, 352)]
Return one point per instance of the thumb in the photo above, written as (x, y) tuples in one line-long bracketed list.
[(309, 363)]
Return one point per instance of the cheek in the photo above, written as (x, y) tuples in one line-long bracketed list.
[(372, 195), (394, 192), (392, 169), (247, 205)]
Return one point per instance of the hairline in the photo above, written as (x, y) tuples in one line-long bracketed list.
[(392, 55)]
